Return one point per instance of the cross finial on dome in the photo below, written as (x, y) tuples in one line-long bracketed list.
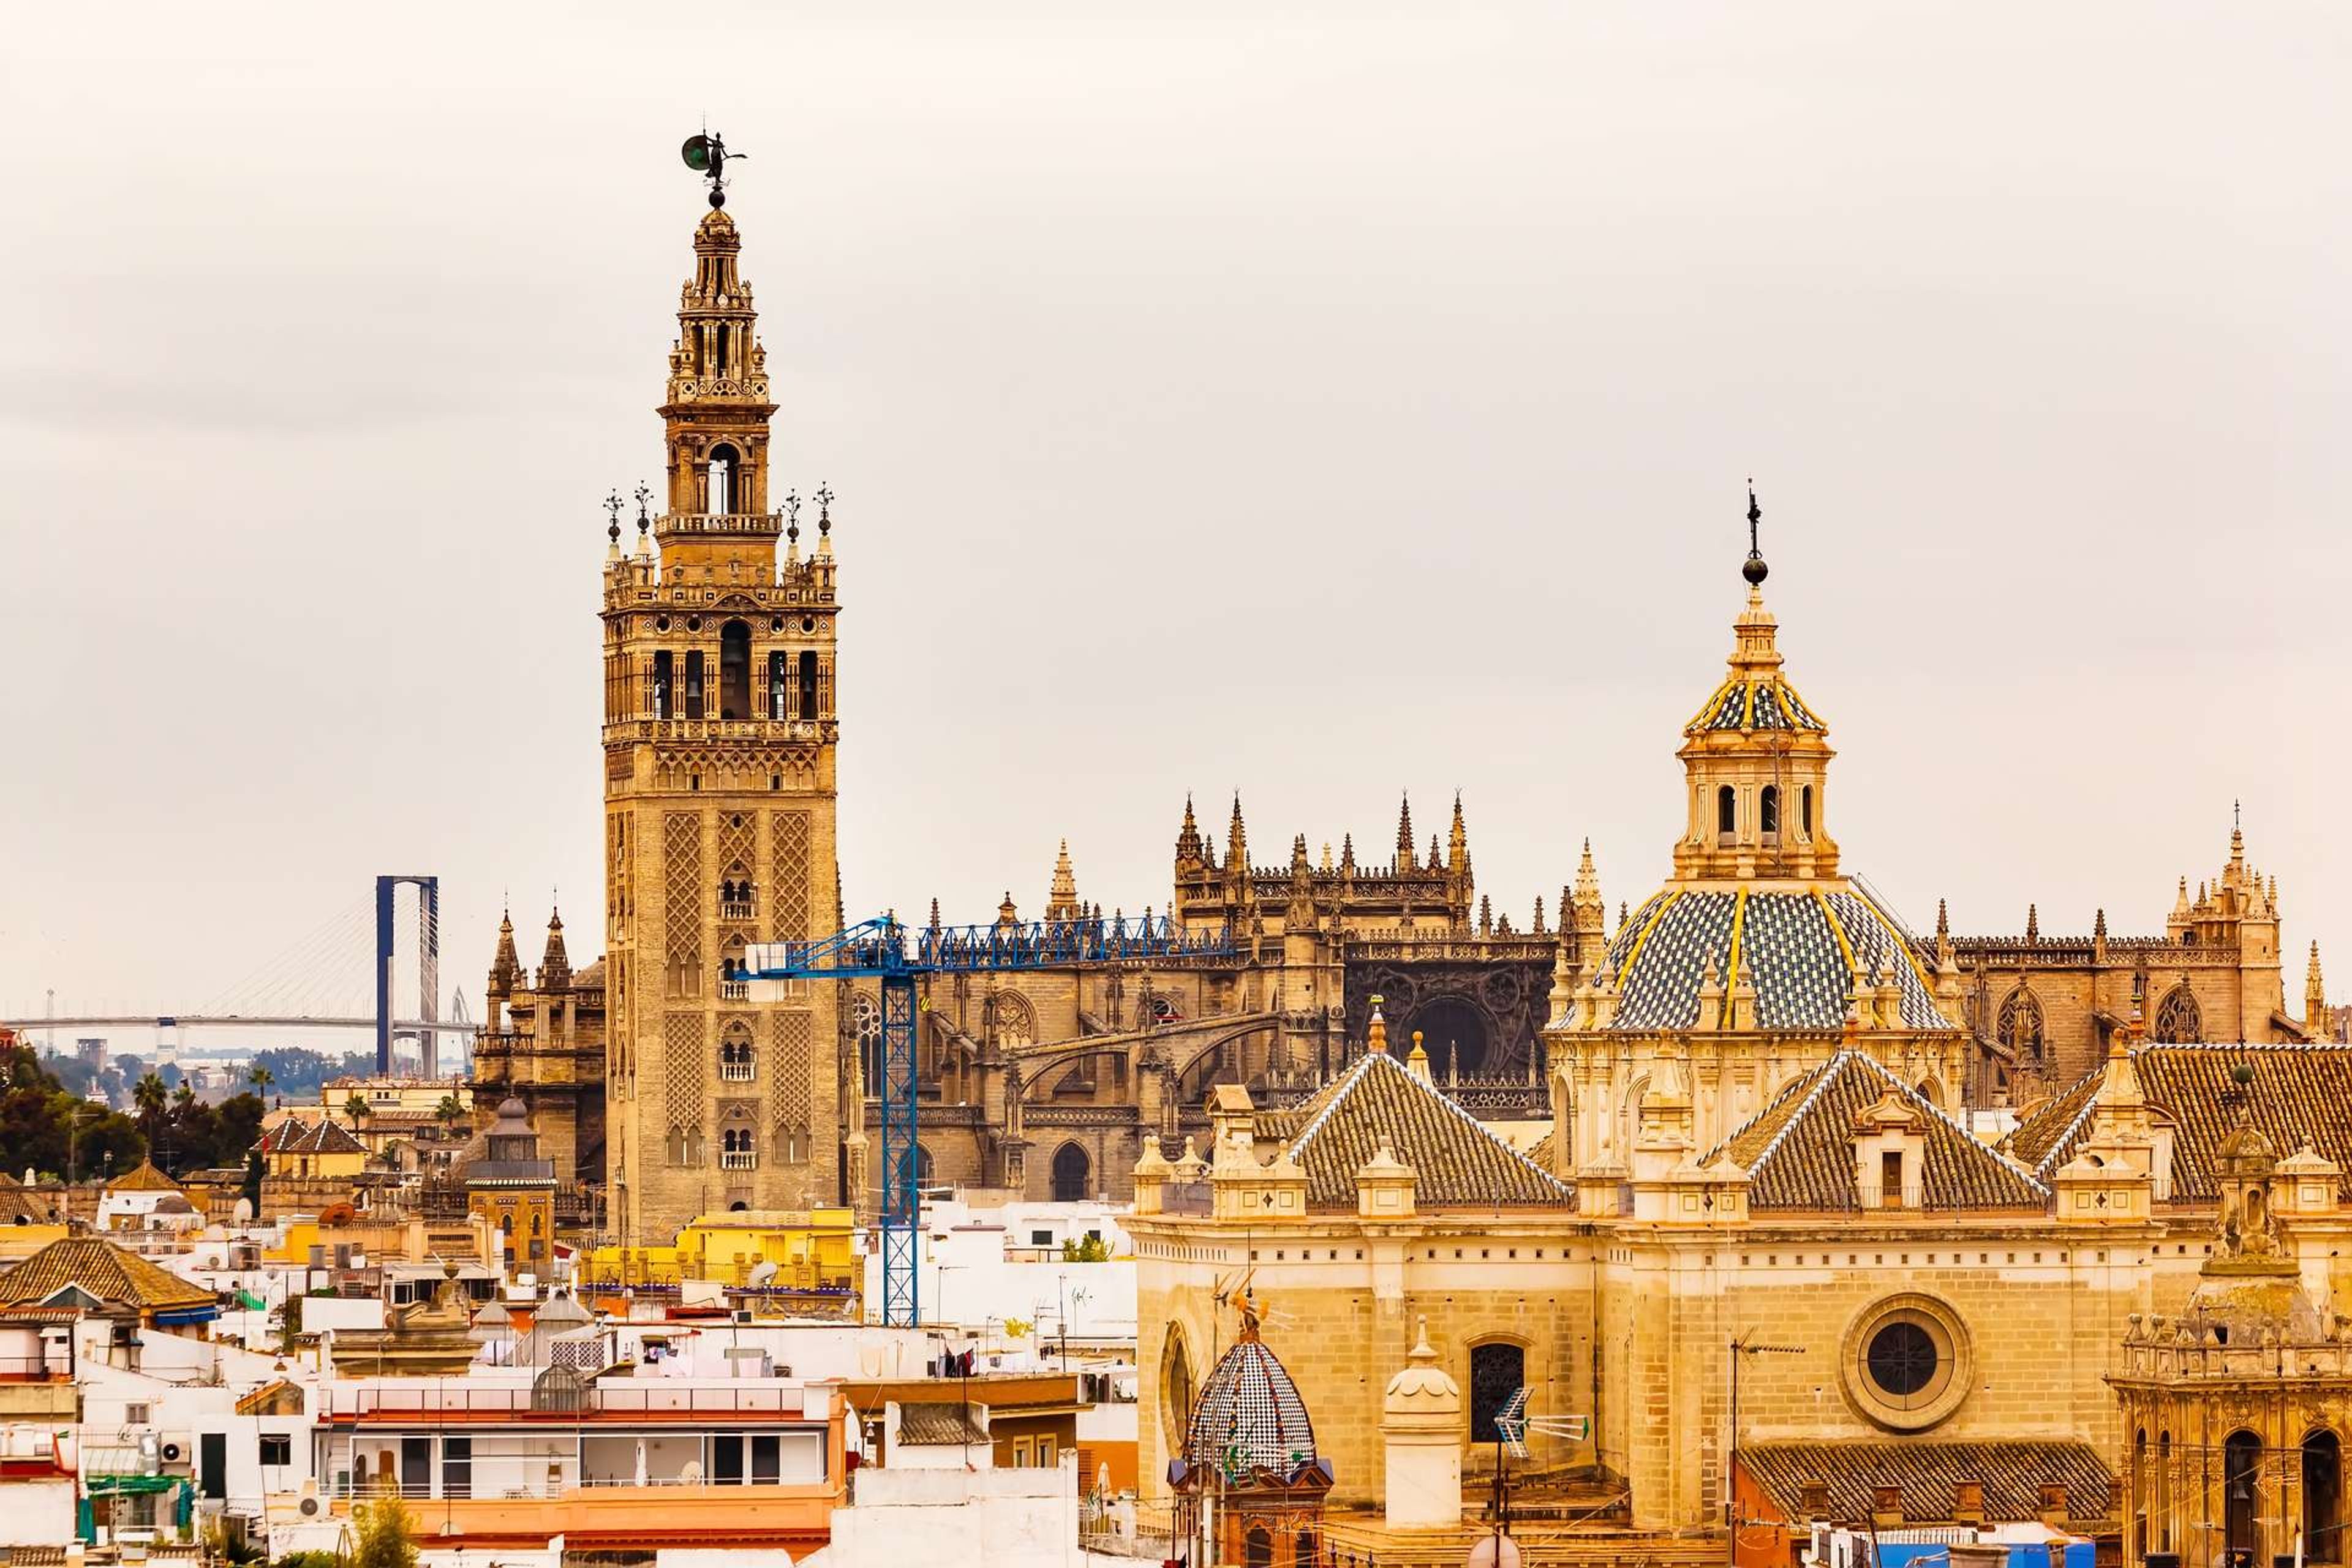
[(1753, 569)]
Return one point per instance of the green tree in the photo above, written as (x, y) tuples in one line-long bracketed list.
[(386, 1538), (1086, 1249), (150, 1099), (355, 1108), (261, 1078), (449, 1112)]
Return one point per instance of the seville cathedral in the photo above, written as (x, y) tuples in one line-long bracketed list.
[(1981, 1189)]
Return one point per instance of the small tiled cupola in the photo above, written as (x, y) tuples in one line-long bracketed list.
[(1384, 1187), (1889, 1153)]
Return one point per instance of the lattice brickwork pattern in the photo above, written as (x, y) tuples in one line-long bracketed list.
[(790, 1076), (738, 845), (790, 875), (682, 897), (682, 1051)]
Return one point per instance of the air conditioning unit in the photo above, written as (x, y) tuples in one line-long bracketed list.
[(310, 1504), (177, 1450)]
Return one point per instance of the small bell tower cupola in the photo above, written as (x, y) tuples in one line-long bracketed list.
[(1756, 758), (715, 411)]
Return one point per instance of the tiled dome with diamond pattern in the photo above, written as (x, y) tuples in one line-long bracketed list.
[(1249, 1415), (1802, 945)]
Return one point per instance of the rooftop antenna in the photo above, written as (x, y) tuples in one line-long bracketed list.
[(707, 155)]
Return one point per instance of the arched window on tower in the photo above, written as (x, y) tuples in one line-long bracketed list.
[(664, 685), (1727, 814), (2177, 1020), (1768, 814), (1805, 813), (735, 670), (2241, 1486), (691, 707), (720, 485), (780, 701), (2322, 1498), (808, 683)]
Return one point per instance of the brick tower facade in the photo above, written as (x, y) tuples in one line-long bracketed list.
[(719, 734)]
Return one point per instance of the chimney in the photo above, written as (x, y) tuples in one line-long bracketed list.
[(2051, 1506), (1968, 1503), (1815, 1503), (1886, 1507)]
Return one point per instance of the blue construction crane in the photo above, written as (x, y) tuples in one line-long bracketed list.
[(897, 955)]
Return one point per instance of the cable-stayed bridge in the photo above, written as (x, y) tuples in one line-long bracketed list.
[(343, 973)]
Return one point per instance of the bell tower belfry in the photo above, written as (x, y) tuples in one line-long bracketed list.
[(1756, 759), (719, 734)]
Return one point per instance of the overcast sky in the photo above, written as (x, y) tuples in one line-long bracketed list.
[(1321, 402)]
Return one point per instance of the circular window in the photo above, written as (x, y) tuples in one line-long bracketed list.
[(776, 624), (694, 623), (808, 623), (1906, 1362), (661, 622), (1902, 1357)]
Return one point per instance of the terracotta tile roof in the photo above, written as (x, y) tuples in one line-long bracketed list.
[(2053, 1129), (934, 1424), (146, 1178), (2011, 1473), (1457, 1163), (103, 1269), (2301, 1094), (325, 1136), (1799, 1149)]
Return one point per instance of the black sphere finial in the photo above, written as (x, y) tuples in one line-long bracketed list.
[(1753, 568)]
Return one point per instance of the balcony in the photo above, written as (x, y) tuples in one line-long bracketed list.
[(738, 1160), (734, 990), (616, 1398), (737, 909), (735, 1072)]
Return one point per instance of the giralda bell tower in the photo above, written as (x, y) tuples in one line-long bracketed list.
[(720, 733)]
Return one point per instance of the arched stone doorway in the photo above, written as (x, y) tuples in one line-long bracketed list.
[(1073, 1174), (1453, 1032)]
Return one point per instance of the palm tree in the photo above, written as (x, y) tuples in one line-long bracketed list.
[(149, 1097), (449, 1112), (356, 1108), (261, 1078)]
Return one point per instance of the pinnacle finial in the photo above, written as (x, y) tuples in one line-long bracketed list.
[(613, 511), (792, 516), (825, 509), (645, 497), (1753, 569)]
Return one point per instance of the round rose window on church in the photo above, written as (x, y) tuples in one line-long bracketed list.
[(1901, 1359), (1906, 1361)]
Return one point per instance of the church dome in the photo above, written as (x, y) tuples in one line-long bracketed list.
[(1806, 950), (1249, 1415)]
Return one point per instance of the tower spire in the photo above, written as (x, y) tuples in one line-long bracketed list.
[(1405, 851), (1062, 898), (1753, 568)]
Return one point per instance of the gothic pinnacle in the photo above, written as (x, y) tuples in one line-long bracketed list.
[(1404, 833)]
